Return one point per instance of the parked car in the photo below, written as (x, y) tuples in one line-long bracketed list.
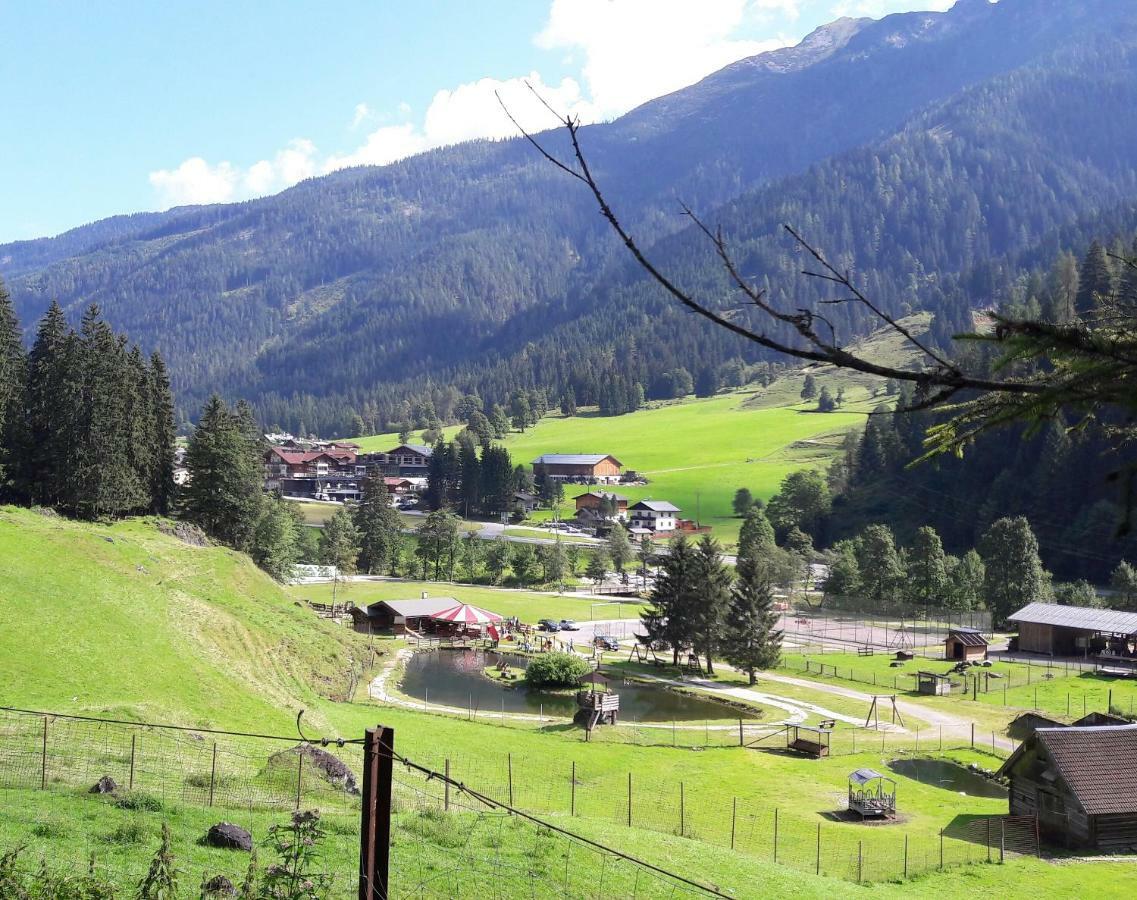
[(548, 625), (606, 642), (569, 625)]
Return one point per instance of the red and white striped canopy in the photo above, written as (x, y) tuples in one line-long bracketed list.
[(465, 614)]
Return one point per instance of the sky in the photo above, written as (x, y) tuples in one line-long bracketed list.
[(121, 107)]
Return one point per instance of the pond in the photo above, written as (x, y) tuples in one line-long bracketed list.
[(949, 776), (454, 678)]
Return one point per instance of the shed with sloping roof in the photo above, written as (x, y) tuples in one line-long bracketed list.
[(399, 616), (1081, 783), (965, 643), (1074, 630)]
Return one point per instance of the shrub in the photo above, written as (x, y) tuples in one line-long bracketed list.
[(137, 800), (556, 670), (128, 833)]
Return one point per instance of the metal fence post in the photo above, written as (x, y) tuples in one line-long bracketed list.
[(572, 800), (775, 834), (941, 849), (682, 812), (509, 764), (818, 869), (375, 830), (446, 788), (629, 799), (906, 855), (733, 819), (213, 773), (1002, 840), (860, 861), (299, 774)]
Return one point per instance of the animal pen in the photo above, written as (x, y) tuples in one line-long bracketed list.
[(872, 794)]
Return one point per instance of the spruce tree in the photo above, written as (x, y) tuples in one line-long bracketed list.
[(52, 409), (750, 640), (226, 473), (164, 436), (379, 526), (619, 548), (276, 545), (13, 389), (670, 617), (1095, 285), (713, 579)]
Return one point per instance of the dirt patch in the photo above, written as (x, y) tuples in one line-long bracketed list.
[(853, 818)]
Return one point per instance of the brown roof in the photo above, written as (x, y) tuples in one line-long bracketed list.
[(969, 637), (1099, 764)]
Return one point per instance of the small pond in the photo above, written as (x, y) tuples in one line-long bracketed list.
[(949, 776), (455, 678)]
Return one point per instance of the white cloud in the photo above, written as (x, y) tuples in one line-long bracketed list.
[(638, 49), (631, 51)]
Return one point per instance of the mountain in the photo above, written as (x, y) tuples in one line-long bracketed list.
[(913, 149)]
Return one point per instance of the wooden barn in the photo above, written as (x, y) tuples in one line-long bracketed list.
[(965, 644), (1075, 631), (1081, 783), (399, 616), (584, 468)]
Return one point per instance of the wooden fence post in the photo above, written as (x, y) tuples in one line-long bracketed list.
[(818, 869), (989, 838), (446, 788), (375, 830), (213, 773), (299, 773), (572, 801), (682, 812), (775, 834), (741, 742), (941, 849), (972, 735), (509, 763), (629, 799), (130, 781), (733, 819), (43, 759), (905, 855), (1002, 840), (860, 861)]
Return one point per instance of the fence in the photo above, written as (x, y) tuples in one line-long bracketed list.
[(445, 838), (1035, 688), (915, 629)]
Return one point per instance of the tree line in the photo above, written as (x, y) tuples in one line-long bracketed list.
[(86, 421)]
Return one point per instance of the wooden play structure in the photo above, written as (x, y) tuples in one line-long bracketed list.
[(642, 652), (872, 794), (598, 705), (872, 720), (693, 666)]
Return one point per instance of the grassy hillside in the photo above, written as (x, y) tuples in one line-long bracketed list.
[(126, 620)]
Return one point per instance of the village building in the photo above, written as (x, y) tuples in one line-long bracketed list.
[(406, 460), (1057, 630), (399, 616), (965, 644), (593, 504), (313, 473), (525, 501), (658, 516), (583, 468), (1081, 783)]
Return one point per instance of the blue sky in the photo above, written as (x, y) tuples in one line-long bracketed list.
[(131, 105)]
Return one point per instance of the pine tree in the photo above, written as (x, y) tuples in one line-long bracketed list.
[(713, 578), (750, 640), (1124, 581), (619, 548), (742, 502), (756, 537), (809, 388), (52, 409), (378, 524), (670, 618), (597, 566), (13, 389), (164, 437), (1095, 285), (224, 493), (276, 545)]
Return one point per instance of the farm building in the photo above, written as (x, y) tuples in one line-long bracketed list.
[(965, 643), (525, 501), (1081, 783), (399, 616), (656, 515), (1075, 631), (601, 505), (586, 468)]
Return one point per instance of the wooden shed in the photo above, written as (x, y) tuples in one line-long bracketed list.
[(399, 616), (1075, 631), (965, 644), (1081, 783), (933, 683)]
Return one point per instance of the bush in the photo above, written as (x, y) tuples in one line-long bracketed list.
[(556, 670), (139, 801)]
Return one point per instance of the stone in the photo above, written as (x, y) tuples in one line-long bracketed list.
[(219, 886), (105, 785), (229, 836)]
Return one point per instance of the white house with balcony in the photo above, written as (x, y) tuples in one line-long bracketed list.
[(654, 515)]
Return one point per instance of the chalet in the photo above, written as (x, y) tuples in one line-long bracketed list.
[(399, 616), (306, 473), (593, 505), (1075, 631), (583, 468), (525, 501), (965, 643), (1081, 783), (655, 515), (406, 460)]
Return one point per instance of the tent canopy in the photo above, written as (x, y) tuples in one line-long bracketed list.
[(864, 776), (465, 614)]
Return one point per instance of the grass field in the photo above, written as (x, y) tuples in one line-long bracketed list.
[(528, 606), (126, 620)]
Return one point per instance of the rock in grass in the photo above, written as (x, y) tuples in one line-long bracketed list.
[(218, 886), (105, 785), (229, 837)]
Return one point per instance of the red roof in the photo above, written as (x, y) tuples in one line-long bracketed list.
[(299, 457)]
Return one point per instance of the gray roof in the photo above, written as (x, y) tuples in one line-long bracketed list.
[(426, 606), (1107, 620), (657, 506), (574, 459), (609, 494), (420, 449)]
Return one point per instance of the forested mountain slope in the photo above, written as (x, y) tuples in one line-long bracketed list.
[(913, 148)]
